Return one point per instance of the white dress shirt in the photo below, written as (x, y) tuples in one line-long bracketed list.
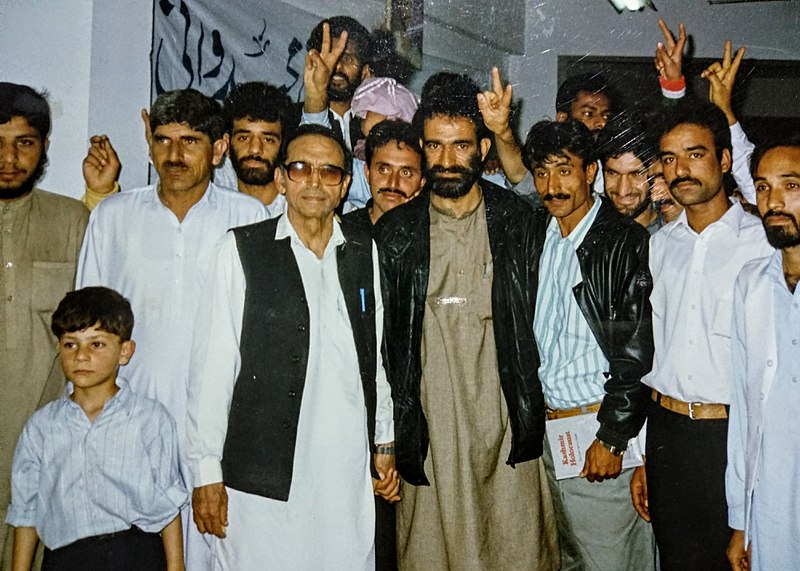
[(137, 246), (692, 299)]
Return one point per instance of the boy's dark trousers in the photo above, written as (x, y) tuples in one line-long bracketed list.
[(130, 550)]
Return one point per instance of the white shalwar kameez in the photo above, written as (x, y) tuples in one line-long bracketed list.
[(137, 246), (328, 521)]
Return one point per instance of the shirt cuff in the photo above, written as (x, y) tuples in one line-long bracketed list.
[(673, 88), (208, 471), (384, 431), (736, 518), (320, 118), (20, 516), (92, 198)]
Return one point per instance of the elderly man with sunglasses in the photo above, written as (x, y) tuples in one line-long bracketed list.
[(289, 408)]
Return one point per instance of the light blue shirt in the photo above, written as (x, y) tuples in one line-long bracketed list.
[(572, 364), (762, 481), (73, 478)]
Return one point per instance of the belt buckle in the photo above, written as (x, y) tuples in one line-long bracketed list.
[(691, 409)]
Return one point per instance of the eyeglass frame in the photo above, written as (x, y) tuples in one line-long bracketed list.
[(287, 167)]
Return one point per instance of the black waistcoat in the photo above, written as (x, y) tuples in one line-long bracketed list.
[(258, 457)]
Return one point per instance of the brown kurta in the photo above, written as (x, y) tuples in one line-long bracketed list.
[(40, 238), (478, 513)]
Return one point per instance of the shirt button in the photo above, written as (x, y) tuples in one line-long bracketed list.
[(689, 377), (9, 298), (691, 341), (694, 306), (302, 300), (11, 265), (769, 362), (286, 425), (295, 359), (292, 394), (301, 327), (761, 396), (794, 341), (794, 379)]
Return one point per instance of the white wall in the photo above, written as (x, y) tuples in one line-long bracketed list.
[(46, 45), (592, 27), (93, 56)]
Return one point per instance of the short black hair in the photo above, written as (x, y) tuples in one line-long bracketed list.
[(389, 131), (792, 140), (693, 111), (356, 34), (590, 83), (260, 101), (450, 94), (22, 101), (627, 132), (551, 138), (190, 107), (322, 131), (90, 306)]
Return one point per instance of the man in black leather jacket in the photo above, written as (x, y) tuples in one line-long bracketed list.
[(459, 267), (593, 332)]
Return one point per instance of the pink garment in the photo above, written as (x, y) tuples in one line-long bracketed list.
[(385, 96)]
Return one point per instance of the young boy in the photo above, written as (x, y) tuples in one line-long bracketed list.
[(95, 473)]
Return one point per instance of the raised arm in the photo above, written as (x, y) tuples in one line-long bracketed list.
[(100, 171), (495, 107), (318, 70), (721, 76)]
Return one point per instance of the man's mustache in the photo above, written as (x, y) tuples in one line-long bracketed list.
[(255, 158), (779, 214), (674, 184), (451, 170), (175, 165), (396, 191), (553, 195)]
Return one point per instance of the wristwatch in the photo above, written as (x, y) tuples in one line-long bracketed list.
[(616, 451)]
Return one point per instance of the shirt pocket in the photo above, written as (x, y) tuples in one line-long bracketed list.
[(721, 318), (50, 281)]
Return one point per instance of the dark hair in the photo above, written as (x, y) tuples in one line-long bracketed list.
[(792, 140), (356, 34), (690, 110), (548, 139), (450, 94), (390, 131), (322, 131), (626, 132), (386, 61), (90, 306), (260, 101), (588, 82), (22, 101), (191, 107)]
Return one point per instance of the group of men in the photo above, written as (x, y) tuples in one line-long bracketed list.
[(312, 361)]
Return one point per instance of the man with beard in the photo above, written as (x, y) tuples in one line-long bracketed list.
[(41, 235), (694, 262), (155, 246), (627, 154), (763, 497), (350, 66), (393, 170), (593, 335), (459, 267), (259, 116)]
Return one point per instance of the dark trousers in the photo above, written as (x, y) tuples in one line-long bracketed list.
[(685, 468), (131, 550), (385, 536)]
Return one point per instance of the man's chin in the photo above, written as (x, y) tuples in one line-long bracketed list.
[(12, 192)]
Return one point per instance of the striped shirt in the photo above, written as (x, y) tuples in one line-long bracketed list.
[(73, 478), (572, 363)]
